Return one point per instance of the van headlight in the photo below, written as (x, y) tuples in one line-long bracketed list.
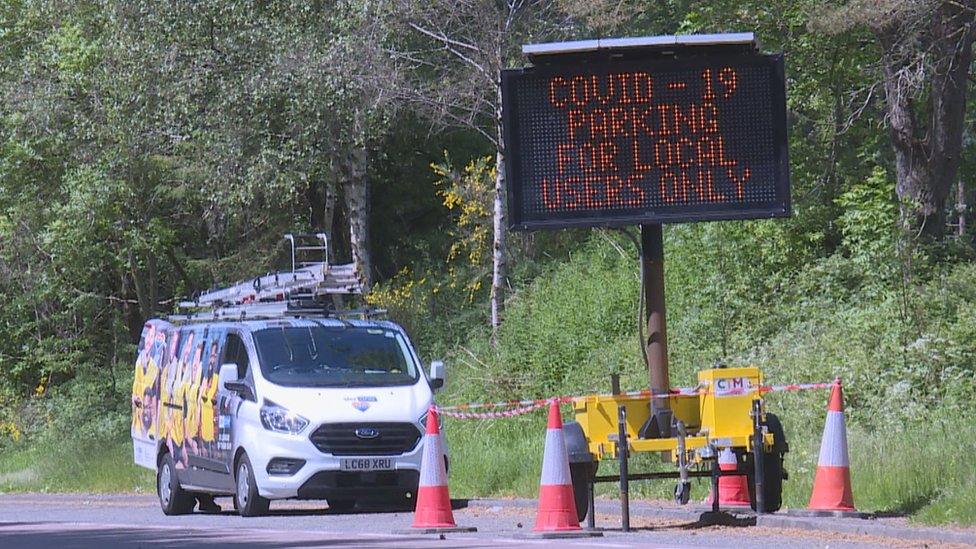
[(281, 420)]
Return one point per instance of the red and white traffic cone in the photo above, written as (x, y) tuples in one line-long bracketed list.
[(832, 495), (733, 491), (433, 514), (557, 506)]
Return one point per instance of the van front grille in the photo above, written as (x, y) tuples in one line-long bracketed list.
[(366, 439)]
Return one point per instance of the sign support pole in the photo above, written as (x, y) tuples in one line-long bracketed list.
[(656, 345)]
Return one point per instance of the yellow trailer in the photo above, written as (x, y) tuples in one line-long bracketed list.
[(726, 411)]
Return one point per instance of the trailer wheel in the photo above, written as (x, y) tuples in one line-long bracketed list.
[(682, 493), (773, 469), (582, 475), (582, 466)]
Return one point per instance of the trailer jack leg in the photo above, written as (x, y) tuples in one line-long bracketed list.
[(622, 451), (757, 456), (591, 506), (715, 475), (682, 492)]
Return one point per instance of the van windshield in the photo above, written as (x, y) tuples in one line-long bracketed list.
[(334, 356)]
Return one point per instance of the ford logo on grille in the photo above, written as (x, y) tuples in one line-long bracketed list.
[(367, 432)]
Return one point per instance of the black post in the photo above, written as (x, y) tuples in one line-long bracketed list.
[(615, 384), (656, 345), (757, 455), (622, 451), (591, 507), (715, 470)]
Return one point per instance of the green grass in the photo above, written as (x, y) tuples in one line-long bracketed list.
[(921, 469), (924, 470), (73, 467), (500, 458)]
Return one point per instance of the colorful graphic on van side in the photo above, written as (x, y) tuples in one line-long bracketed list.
[(145, 382), (175, 392)]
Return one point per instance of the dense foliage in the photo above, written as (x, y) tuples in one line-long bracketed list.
[(150, 150)]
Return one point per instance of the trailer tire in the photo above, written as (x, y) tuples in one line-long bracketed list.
[(582, 476), (775, 427), (773, 470)]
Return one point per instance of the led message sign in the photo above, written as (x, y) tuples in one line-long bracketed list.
[(646, 141)]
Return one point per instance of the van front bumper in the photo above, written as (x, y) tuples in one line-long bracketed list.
[(321, 475), (354, 484)]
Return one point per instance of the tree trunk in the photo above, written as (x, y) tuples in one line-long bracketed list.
[(911, 169), (152, 283), (355, 191), (329, 215), (321, 198), (142, 292), (961, 209), (130, 311), (499, 265), (178, 267), (953, 34), (316, 204), (927, 158)]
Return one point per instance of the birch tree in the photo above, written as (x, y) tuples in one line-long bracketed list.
[(452, 53)]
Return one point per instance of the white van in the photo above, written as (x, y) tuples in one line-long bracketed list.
[(294, 407), (264, 391)]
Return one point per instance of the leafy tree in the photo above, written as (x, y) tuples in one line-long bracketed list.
[(926, 58)]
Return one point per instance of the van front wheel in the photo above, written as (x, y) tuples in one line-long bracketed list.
[(246, 498)]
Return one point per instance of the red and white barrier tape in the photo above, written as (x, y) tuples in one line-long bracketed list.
[(534, 403), (493, 415), (520, 407), (796, 387)]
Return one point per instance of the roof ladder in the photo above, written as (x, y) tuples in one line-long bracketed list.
[(314, 248), (308, 287)]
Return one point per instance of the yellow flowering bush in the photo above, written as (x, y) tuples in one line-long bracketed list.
[(469, 193)]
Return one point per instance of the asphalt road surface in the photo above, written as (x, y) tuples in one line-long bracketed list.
[(78, 520)]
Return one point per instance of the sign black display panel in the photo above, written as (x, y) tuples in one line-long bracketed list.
[(646, 141)]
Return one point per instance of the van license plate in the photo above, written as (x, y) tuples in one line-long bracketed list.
[(366, 464)]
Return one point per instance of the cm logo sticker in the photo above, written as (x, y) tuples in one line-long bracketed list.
[(733, 386)]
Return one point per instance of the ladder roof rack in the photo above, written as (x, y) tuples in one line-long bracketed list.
[(313, 287), (270, 313)]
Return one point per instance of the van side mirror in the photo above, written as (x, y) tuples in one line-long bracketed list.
[(230, 383), (438, 374), (228, 373)]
